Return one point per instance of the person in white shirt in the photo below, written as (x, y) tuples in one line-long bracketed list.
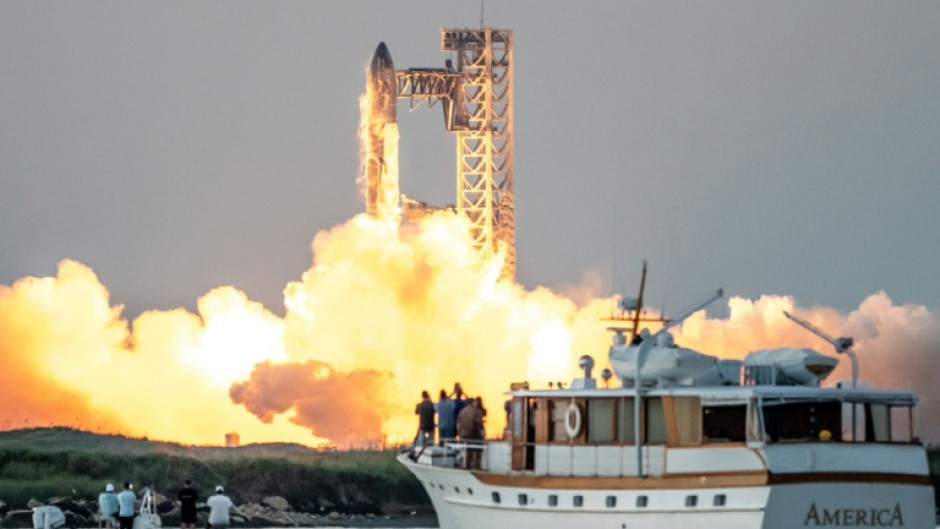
[(108, 508), (220, 505), (126, 501)]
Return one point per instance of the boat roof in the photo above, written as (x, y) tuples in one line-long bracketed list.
[(717, 395)]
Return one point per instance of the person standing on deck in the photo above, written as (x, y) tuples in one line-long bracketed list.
[(425, 412), (446, 418)]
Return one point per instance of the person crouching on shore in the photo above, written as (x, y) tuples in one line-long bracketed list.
[(220, 506)]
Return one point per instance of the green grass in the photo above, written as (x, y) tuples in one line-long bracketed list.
[(41, 463)]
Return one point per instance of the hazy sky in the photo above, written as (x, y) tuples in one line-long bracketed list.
[(767, 147)]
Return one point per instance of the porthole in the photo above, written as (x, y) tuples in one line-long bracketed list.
[(457, 490), (470, 492)]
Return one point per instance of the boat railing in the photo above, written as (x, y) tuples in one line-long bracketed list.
[(564, 459)]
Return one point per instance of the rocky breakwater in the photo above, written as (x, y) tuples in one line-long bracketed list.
[(271, 511)]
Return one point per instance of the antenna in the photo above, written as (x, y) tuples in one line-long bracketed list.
[(481, 14), (841, 345)]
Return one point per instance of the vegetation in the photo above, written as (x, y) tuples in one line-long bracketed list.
[(41, 463)]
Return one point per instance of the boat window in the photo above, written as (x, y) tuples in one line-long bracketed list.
[(803, 421), (724, 424), (625, 421), (601, 421), (496, 498), (611, 501), (655, 421), (691, 500), (557, 409), (902, 427), (688, 411), (579, 501), (553, 500), (720, 500), (523, 499), (642, 501), (878, 426)]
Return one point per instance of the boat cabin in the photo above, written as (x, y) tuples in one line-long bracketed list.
[(717, 417)]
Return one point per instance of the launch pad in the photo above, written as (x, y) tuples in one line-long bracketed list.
[(475, 90)]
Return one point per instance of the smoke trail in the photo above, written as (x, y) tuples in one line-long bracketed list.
[(346, 408)]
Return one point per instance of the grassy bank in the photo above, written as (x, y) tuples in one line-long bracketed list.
[(42, 463)]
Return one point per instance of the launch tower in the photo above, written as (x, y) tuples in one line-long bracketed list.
[(475, 90)]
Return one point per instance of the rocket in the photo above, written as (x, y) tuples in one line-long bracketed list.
[(383, 96)]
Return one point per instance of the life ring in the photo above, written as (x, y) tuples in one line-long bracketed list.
[(573, 420)]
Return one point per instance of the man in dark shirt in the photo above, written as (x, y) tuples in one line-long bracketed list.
[(187, 498), (425, 412)]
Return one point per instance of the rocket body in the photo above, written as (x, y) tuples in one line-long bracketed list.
[(381, 179)]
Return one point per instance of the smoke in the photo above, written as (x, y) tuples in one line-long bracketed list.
[(344, 407), (386, 310), (45, 323), (898, 346)]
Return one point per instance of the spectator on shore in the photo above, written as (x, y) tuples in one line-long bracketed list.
[(188, 497), (108, 508), (425, 412), (446, 418), (219, 505), (126, 500)]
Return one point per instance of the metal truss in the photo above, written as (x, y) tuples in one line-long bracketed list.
[(476, 91)]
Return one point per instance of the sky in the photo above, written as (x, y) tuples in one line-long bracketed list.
[(179, 166), (773, 147)]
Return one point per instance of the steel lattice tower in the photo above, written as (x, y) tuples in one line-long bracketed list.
[(476, 93), (483, 123)]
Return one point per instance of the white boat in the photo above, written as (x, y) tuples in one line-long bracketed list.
[(698, 443)]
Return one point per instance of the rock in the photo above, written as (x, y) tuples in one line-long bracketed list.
[(4, 508), (68, 504), (18, 518), (333, 515), (277, 503), (74, 520), (350, 494), (165, 506), (32, 503), (237, 519)]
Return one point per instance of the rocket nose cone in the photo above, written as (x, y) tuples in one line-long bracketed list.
[(381, 59)]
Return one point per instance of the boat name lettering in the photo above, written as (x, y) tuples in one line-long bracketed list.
[(854, 517)]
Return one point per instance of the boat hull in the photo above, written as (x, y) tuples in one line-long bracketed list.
[(463, 501)]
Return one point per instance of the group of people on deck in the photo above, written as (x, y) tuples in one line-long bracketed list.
[(460, 417)]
